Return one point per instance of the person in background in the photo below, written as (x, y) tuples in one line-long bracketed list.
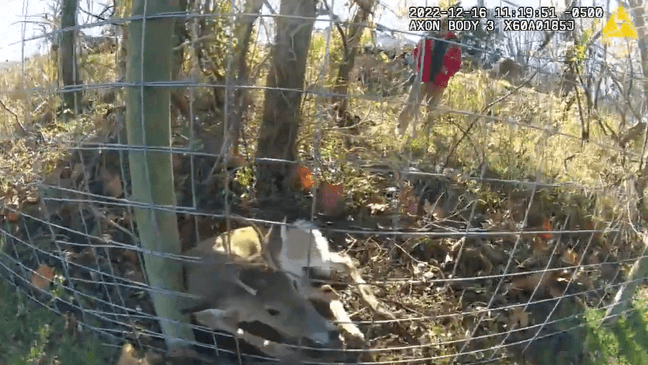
[(441, 60)]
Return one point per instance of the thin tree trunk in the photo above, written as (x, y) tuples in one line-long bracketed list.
[(638, 14), (281, 113), (152, 172), (348, 60), (67, 61), (180, 36), (240, 101)]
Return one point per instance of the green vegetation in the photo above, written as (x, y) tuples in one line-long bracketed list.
[(626, 343), (31, 334)]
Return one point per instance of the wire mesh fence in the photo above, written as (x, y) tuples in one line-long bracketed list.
[(496, 229)]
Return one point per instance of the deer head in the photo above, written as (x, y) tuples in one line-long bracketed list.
[(253, 292)]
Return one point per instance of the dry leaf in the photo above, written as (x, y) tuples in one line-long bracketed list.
[(305, 177), (133, 273), (546, 225), (131, 256), (72, 326), (53, 177), (518, 316), (236, 160), (128, 356), (529, 283), (126, 220), (42, 277), (591, 226), (409, 201), (570, 257), (436, 210), (332, 199), (112, 184), (539, 246), (377, 205), (376, 208), (87, 257), (12, 217), (77, 172), (555, 292), (176, 162), (32, 196), (153, 358)]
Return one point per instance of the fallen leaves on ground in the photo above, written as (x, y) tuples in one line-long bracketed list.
[(42, 277), (306, 178), (332, 196), (547, 226)]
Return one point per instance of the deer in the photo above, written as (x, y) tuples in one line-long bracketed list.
[(294, 250), (225, 291), (250, 245)]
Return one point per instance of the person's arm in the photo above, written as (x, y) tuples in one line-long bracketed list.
[(452, 61), (416, 56)]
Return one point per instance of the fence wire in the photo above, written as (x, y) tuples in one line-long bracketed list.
[(493, 231)]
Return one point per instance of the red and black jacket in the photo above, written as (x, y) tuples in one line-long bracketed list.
[(438, 55)]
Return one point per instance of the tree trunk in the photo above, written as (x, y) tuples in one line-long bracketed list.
[(281, 113), (67, 61), (122, 9), (180, 35), (638, 14), (240, 101), (348, 61), (151, 172)]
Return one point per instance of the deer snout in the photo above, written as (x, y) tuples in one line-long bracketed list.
[(325, 338), (322, 331)]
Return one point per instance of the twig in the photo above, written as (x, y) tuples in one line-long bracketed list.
[(99, 17), (15, 116), (269, 6), (98, 214), (476, 118), (584, 129), (339, 28)]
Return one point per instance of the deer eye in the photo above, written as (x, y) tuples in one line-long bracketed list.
[(272, 312), (295, 285)]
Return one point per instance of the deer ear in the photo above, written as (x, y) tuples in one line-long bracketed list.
[(268, 237), (273, 241)]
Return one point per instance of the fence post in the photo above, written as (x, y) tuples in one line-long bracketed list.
[(148, 122)]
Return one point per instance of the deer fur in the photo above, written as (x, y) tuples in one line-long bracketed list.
[(229, 290), (294, 249), (250, 245)]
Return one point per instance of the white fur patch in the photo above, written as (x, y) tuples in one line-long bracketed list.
[(303, 246)]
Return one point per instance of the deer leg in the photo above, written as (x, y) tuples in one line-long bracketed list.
[(344, 263), (344, 321), (340, 315), (327, 295)]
